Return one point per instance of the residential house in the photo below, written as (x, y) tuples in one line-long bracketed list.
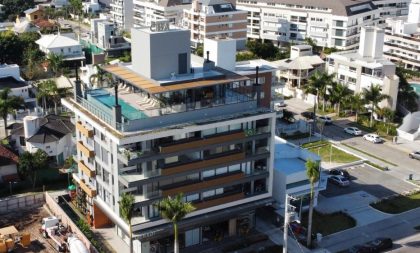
[(52, 134), (367, 66), (23, 25), (10, 78), (8, 165), (172, 126), (105, 35), (215, 18), (60, 44), (91, 6), (402, 38), (34, 14), (293, 73)]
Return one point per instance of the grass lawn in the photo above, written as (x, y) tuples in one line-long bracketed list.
[(327, 152), (327, 224), (398, 204)]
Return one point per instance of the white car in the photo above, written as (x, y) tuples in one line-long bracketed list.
[(373, 138), (353, 130), (339, 180), (327, 120)]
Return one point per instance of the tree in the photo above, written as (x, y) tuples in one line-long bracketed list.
[(265, 50), (374, 96), (32, 60), (31, 163), (318, 84), (8, 104), (47, 90), (55, 62), (357, 103), (11, 48), (407, 97), (388, 116), (313, 173), (199, 50), (338, 94), (15, 7), (126, 211), (174, 210)]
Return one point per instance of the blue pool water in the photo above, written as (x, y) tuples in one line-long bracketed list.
[(127, 110), (416, 87)]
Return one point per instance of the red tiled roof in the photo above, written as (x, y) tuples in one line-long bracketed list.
[(7, 156)]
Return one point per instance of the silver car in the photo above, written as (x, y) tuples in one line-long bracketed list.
[(414, 155), (339, 180), (353, 130)]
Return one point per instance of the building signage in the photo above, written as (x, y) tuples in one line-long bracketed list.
[(159, 26)]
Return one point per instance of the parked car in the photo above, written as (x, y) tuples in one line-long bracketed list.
[(308, 115), (380, 244), (327, 120), (353, 130), (340, 172), (339, 180), (414, 155), (373, 138)]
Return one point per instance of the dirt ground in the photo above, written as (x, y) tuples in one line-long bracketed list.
[(29, 221)]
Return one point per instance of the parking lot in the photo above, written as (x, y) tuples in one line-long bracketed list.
[(373, 181)]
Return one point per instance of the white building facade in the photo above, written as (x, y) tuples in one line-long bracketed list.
[(402, 38), (147, 11), (329, 23), (62, 45), (367, 66), (122, 13)]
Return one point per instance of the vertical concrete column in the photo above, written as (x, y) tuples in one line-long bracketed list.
[(232, 227)]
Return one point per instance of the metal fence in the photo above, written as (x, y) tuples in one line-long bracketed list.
[(8, 205)]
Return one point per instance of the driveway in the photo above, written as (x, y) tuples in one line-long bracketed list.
[(373, 181)]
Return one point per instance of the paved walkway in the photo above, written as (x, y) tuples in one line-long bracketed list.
[(109, 234), (355, 204), (396, 227)]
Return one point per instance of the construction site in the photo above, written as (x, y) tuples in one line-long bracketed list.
[(28, 222)]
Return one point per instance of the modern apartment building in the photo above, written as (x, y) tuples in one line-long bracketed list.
[(146, 11), (105, 35), (329, 23), (392, 8), (122, 13), (367, 66), (171, 126), (402, 38), (215, 18)]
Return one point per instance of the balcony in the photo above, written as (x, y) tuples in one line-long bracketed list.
[(86, 188), (86, 132), (193, 187), (199, 142), (82, 166), (171, 170), (87, 152), (219, 201)]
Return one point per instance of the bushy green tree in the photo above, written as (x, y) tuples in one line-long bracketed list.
[(13, 8), (8, 104), (31, 163), (407, 97)]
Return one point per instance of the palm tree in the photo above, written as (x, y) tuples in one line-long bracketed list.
[(373, 95), (55, 62), (312, 171), (357, 103), (318, 84), (174, 210), (47, 90), (388, 116), (8, 104), (126, 212), (338, 94)]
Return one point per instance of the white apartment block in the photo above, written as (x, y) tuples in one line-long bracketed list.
[(392, 8), (122, 13), (146, 11), (329, 23), (367, 66), (402, 38), (215, 18)]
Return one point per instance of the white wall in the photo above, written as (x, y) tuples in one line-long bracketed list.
[(7, 170)]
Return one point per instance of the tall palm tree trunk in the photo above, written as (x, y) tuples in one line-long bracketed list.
[(131, 237), (371, 115), (357, 116), (176, 243), (311, 210), (5, 125)]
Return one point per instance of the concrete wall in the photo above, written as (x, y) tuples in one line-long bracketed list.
[(159, 51), (51, 203), (19, 202)]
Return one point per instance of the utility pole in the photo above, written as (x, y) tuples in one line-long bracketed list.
[(288, 212)]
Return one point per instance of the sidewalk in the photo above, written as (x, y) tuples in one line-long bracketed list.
[(109, 235)]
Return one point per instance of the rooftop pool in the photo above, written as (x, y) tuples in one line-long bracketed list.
[(416, 87), (127, 110)]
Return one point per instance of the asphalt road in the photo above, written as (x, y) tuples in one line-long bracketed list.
[(398, 227), (370, 180)]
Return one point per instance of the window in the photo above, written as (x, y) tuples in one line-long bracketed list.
[(221, 171), (22, 140)]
